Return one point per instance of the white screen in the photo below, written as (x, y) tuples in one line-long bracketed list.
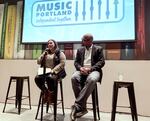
[(69, 20)]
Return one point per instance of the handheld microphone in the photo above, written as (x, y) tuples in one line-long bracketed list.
[(43, 59), (46, 51)]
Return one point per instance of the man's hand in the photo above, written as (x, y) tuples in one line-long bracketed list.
[(85, 70)]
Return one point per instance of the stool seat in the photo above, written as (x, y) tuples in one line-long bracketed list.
[(19, 80), (130, 88), (123, 84)]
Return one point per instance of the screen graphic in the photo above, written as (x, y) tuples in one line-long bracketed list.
[(68, 20)]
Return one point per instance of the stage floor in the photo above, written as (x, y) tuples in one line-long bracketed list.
[(29, 115)]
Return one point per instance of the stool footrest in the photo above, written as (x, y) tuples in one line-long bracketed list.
[(10, 97), (23, 97), (123, 106), (59, 102), (123, 112)]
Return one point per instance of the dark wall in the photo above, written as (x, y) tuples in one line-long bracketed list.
[(147, 26)]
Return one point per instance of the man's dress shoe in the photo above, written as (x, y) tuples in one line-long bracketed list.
[(73, 113)]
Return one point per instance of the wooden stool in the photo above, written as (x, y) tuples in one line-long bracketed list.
[(19, 80), (56, 102), (130, 87)]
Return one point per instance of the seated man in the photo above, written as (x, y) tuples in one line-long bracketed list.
[(88, 63)]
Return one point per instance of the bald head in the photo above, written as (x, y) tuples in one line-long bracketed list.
[(87, 40), (87, 36)]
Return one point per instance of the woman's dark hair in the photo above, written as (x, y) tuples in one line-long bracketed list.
[(55, 43)]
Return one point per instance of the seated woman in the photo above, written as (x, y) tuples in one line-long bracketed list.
[(54, 59)]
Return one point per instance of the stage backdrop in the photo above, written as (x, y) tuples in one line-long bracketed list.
[(12, 48)]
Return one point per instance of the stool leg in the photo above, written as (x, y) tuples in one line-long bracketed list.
[(17, 92), (55, 102), (97, 104), (114, 103), (47, 107), (42, 110), (29, 92), (94, 104), (20, 89), (7, 95), (132, 103), (62, 99), (38, 106)]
